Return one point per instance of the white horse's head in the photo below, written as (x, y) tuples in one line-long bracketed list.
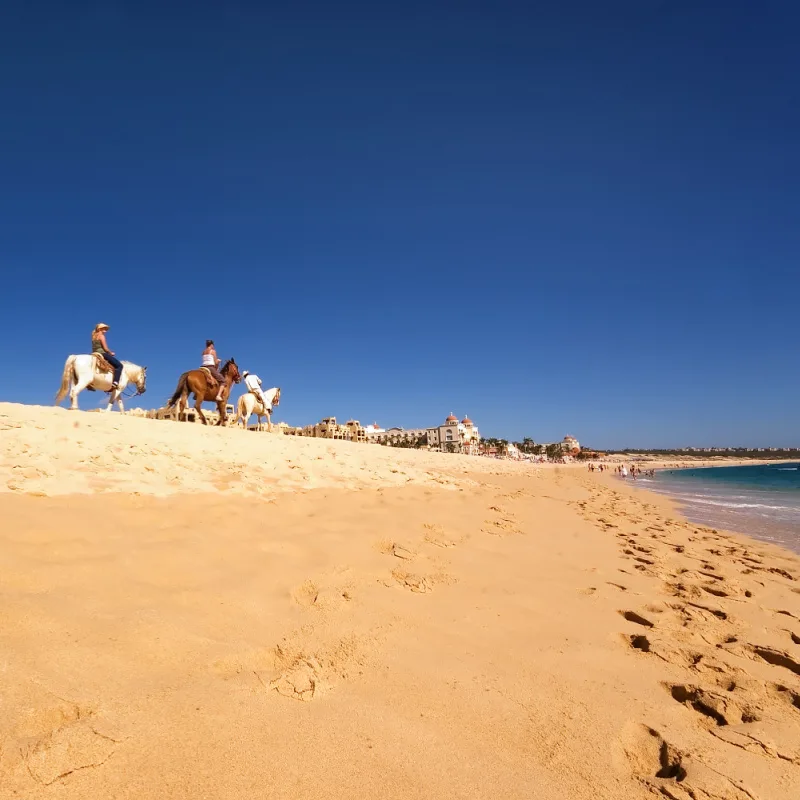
[(276, 401), (138, 376)]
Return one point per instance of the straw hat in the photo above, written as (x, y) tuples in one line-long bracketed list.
[(101, 326)]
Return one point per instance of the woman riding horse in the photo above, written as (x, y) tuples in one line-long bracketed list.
[(100, 346), (210, 360), (196, 382)]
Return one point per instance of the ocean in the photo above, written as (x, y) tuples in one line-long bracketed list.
[(762, 501)]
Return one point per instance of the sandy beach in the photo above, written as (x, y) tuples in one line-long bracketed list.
[(193, 612)]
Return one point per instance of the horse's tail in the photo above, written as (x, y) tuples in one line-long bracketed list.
[(179, 390), (240, 411), (69, 374)]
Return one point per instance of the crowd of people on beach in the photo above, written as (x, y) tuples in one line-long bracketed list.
[(623, 471), (634, 471)]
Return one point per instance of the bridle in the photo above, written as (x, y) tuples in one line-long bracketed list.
[(138, 390)]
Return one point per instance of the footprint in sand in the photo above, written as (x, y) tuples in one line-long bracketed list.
[(672, 772), (776, 657), (672, 654), (403, 553), (770, 738), (787, 695), (717, 707), (638, 619), (68, 739), (304, 667), (310, 594), (783, 573), (415, 583), (500, 527), (390, 548), (306, 594), (301, 681), (435, 535)]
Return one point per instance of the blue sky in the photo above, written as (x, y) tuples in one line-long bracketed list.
[(562, 217)]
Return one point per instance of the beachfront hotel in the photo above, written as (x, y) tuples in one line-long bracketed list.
[(570, 444), (328, 428), (454, 436)]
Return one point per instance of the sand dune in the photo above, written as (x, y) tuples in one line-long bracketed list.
[(407, 625), (54, 451)]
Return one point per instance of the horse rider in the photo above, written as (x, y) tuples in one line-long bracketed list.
[(253, 383), (99, 345), (211, 362)]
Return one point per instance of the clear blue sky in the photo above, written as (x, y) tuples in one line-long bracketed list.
[(557, 217)]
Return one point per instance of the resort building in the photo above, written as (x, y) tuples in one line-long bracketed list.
[(328, 428), (288, 430), (373, 430), (569, 444), (454, 436)]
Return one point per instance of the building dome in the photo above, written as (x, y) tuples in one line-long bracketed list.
[(466, 421), (452, 418)]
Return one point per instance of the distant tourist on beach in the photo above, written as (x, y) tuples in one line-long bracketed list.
[(100, 346)]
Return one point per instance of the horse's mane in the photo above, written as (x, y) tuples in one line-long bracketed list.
[(226, 366)]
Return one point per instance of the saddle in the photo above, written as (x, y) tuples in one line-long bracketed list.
[(210, 379), (100, 364)]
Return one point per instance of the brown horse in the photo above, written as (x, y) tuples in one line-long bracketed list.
[(196, 382)]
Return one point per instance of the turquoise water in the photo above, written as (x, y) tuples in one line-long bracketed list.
[(762, 501)]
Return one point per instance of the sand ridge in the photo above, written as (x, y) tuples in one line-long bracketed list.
[(51, 451)]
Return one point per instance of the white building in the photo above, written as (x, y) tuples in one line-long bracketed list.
[(373, 430), (454, 436), (569, 444)]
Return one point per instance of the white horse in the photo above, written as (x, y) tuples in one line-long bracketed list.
[(249, 404), (81, 372)]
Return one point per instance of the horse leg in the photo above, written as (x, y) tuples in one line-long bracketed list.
[(269, 422), (114, 396), (198, 407), (221, 410), (77, 388)]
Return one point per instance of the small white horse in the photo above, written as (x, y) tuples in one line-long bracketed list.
[(249, 404), (80, 372)]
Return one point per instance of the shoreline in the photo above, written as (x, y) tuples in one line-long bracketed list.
[(692, 510), (672, 506), (707, 463)]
